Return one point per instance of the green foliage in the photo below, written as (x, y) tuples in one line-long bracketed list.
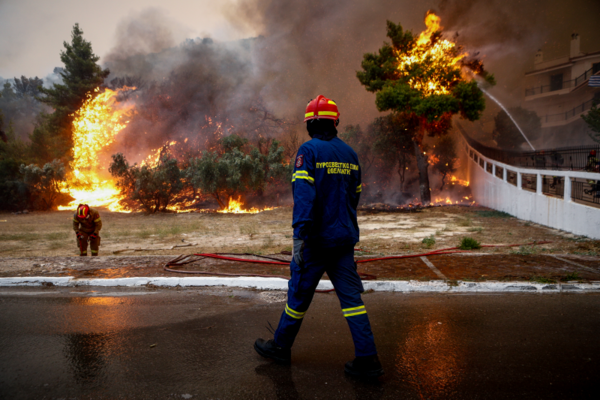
[(147, 188), (573, 276), (507, 135), (80, 76), (43, 184), (236, 169), (468, 243), (445, 153), (428, 241), (593, 121), (492, 214)]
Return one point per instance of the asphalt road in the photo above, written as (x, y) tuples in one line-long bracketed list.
[(168, 344)]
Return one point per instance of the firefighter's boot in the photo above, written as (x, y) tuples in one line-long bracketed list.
[(268, 349), (364, 367)]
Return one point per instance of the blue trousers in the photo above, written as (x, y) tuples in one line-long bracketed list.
[(341, 269)]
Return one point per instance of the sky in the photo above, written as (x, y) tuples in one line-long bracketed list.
[(305, 52), (32, 31)]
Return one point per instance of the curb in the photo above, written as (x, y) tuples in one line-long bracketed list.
[(282, 284)]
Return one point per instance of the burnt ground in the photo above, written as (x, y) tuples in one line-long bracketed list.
[(39, 244)]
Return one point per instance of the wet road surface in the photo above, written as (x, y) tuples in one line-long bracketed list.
[(168, 344)]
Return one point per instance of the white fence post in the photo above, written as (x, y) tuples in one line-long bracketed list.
[(567, 186), (538, 185)]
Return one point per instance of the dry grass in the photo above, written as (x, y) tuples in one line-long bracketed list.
[(50, 233)]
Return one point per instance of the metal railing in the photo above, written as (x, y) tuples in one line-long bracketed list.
[(529, 182), (553, 186), (564, 116), (585, 191), (511, 177), (567, 158), (572, 83), (499, 172)]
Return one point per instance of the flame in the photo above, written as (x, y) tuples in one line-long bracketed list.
[(95, 126), (433, 159), (235, 207), (455, 180), (448, 200), (440, 53)]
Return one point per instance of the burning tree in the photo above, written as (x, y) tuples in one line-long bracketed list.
[(444, 157), (235, 169), (148, 187), (422, 79), (80, 77)]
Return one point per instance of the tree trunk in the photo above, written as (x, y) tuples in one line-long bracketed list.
[(422, 165), (443, 180)]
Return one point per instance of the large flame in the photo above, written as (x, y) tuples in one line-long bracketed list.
[(235, 207), (95, 126), (441, 53)]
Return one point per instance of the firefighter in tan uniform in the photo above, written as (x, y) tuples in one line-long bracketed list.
[(87, 225)]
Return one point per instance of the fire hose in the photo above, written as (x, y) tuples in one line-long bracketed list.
[(188, 259)]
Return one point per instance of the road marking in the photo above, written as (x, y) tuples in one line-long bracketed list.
[(433, 268), (574, 263)]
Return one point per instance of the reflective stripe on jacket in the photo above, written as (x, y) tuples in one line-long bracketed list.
[(326, 184)]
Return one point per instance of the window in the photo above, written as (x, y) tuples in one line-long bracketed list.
[(556, 82), (595, 68)]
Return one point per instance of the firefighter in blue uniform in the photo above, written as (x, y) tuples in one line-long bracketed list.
[(326, 185)]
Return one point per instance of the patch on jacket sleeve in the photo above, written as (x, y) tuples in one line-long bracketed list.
[(300, 161)]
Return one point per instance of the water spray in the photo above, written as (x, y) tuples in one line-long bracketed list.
[(510, 116)]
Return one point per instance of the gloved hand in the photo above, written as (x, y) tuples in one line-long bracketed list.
[(79, 235), (93, 236), (298, 249)]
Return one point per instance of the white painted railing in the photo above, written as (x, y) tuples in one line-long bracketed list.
[(553, 211)]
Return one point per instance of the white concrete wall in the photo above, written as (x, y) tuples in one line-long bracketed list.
[(493, 192)]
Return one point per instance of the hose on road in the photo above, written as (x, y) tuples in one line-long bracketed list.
[(188, 259)]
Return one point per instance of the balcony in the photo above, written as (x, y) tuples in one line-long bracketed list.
[(560, 87), (564, 118)]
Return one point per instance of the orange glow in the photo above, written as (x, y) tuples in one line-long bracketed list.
[(433, 159), (431, 359), (455, 180), (441, 54), (95, 127), (235, 207)]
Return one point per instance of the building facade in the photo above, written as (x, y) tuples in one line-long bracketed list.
[(558, 91)]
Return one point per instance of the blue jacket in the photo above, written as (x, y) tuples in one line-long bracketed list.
[(326, 185)]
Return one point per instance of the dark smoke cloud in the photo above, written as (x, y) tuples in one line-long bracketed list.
[(315, 47)]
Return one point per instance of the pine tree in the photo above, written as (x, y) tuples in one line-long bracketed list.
[(413, 88), (80, 76)]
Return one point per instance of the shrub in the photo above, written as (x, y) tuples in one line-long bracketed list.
[(148, 188), (468, 243), (43, 184), (428, 241), (235, 169)]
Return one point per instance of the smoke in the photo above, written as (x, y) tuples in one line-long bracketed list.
[(198, 88)]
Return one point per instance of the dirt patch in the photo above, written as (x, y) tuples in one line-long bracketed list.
[(42, 243)]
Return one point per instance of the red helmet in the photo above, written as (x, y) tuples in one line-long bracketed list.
[(321, 107), (83, 211), (593, 153)]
